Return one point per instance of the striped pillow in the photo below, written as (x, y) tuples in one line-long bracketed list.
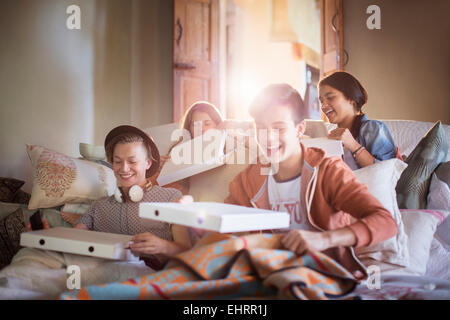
[(413, 185)]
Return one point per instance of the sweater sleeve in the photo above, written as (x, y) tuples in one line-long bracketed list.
[(236, 192), (344, 192)]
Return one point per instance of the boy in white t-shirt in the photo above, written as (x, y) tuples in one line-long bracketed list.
[(330, 210)]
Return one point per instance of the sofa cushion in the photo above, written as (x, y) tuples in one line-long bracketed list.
[(413, 185)]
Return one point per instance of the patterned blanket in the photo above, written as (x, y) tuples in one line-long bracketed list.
[(232, 267)]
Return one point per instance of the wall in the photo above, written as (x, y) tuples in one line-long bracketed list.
[(258, 61), (405, 65), (60, 87), (152, 54)]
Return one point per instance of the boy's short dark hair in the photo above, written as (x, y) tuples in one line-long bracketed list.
[(276, 95)]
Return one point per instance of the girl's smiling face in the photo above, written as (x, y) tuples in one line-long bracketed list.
[(130, 163), (336, 107)]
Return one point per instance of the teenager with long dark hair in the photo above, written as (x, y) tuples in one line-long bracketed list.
[(365, 141)]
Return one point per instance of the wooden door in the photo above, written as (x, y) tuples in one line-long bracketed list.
[(332, 32), (196, 54)]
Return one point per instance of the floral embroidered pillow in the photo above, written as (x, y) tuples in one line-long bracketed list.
[(59, 179)]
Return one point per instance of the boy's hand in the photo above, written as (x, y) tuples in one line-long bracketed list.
[(299, 241)]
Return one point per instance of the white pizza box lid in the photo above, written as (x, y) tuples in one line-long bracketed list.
[(78, 241), (214, 216), (194, 156), (162, 136), (330, 146)]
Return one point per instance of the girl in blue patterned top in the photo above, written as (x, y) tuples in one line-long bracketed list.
[(365, 141)]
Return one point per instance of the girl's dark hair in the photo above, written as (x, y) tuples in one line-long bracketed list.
[(277, 95), (352, 90)]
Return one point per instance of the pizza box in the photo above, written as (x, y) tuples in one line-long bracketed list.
[(84, 242), (330, 146), (162, 136), (214, 216), (194, 156)]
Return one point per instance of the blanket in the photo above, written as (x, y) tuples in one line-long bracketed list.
[(232, 267), (43, 274)]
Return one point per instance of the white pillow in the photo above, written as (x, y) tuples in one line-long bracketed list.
[(438, 195), (420, 226), (381, 179), (59, 179)]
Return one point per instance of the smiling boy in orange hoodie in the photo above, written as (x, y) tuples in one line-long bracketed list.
[(330, 210)]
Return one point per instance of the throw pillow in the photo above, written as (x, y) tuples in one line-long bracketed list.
[(381, 178), (10, 229), (21, 197), (413, 185), (443, 172), (59, 179), (439, 195), (420, 226), (9, 188)]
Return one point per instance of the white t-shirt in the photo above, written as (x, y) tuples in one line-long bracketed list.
[(285, 197)]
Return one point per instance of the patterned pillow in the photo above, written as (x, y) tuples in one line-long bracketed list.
[(10, 229), (59, 179), (413, 185), (9, 188)]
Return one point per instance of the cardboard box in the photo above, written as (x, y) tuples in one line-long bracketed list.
[(215, 216), (330, 146), (194, 156), (84, 242)]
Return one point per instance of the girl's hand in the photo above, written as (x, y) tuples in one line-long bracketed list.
[(148, 244), (44, 222), (346, 137), (299, 241)]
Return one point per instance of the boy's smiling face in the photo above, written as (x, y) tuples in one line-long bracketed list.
[(277, 134), (130, 163)]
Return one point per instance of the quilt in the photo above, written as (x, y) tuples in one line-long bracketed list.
[(234, 267)]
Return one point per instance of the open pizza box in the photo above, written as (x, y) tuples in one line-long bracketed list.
[(194, 156)]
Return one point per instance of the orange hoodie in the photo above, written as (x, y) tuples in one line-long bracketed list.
[(331, 197)]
